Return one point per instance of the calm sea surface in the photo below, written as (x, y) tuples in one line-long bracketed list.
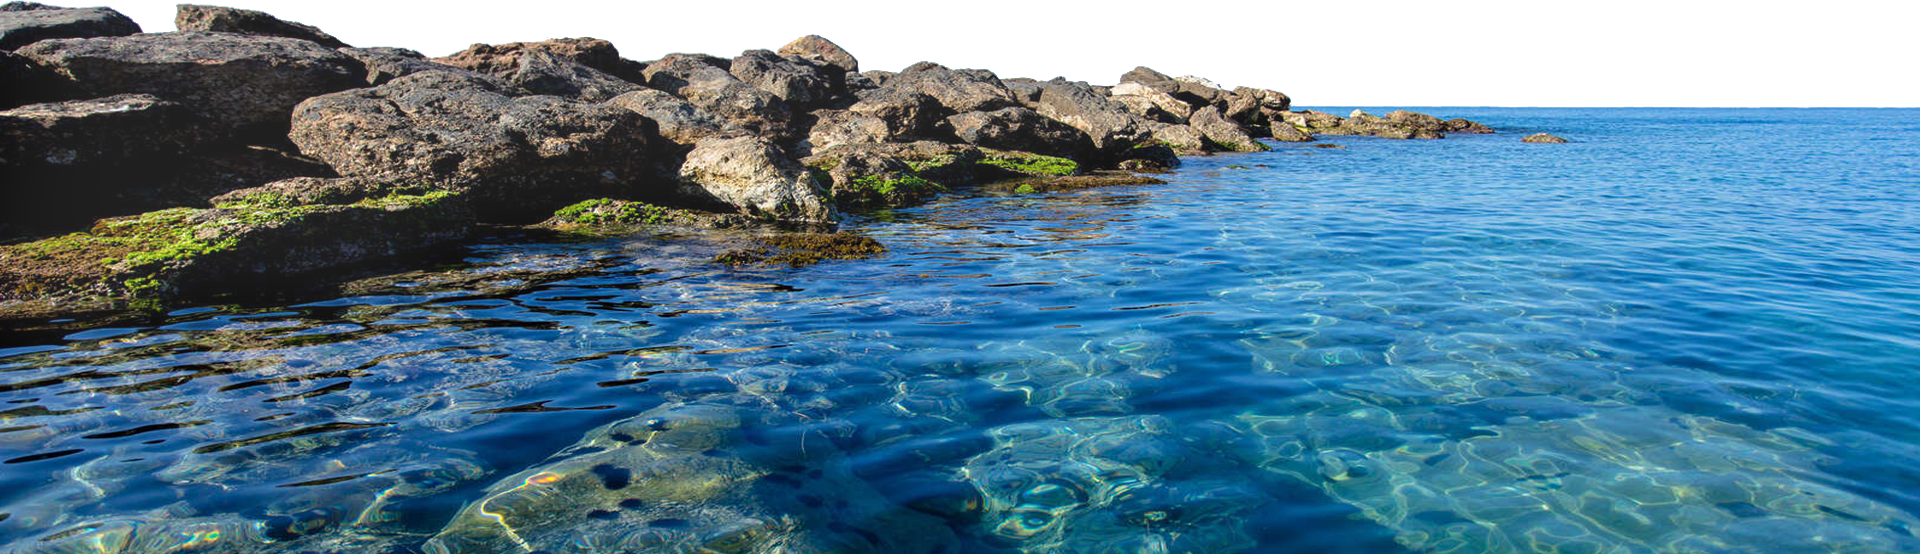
[(1691, 330)]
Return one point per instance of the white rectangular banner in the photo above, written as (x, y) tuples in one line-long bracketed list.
[(1475, 35)]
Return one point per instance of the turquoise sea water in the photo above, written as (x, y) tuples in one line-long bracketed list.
[(1691, 330)]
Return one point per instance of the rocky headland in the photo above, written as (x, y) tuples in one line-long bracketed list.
[(244, 151)]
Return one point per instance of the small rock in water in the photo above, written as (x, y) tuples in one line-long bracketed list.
[(1543, 138)]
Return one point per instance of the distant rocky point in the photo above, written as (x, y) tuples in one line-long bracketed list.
[(244, 149)]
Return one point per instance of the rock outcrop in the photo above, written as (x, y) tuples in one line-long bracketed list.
[(247, 22), (1543, 138), (24, 23), (515, 158), (246, 85), (818, 48), (586, 69), (397, 151), (676, 120), (754, 176)]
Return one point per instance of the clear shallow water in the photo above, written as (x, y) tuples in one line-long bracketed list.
[(1690, 331)]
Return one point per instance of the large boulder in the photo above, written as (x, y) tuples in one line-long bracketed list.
[(1223, 133), (819, 49), (245, 84), (515, 158), (1286, 132), (386, 64), (907, 113), (678, 120), (108, 130), (1020, 129), (1364, 124), (960, 91), (836, 127), (1194, 91), (1150, 103), (1183, 139), (189, 251), (1457, 125), (247, 22), (895, 174), (798, 81), (585, 69), (24, 23), (756, 177), (1252, 106), (1108, 124), (707, 82)]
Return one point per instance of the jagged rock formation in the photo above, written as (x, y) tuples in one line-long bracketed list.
[(198, 129)]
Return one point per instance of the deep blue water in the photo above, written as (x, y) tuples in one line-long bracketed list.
[(1691, 330)]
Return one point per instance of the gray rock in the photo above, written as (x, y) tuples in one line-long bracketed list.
[(245, 84), (707, 83), (1251, 106), (879, 77), (1286, 132), (801, 83), (1222, 132), (1108, 124), (1543, 138), (856, 82), (678, 120), (1195, 92), (247, 22), (818, 48), (24, 23), (959, 91), (838, 127), (907, 113), (1183, 139), (386, 64), (678, 71), (515, 158), (1150, 103), (1021, 129), (754, 176), (1026, 90), (568, 68)]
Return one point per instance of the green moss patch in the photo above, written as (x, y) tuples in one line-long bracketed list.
[(803, 249), (1032, 164), (607, 211)]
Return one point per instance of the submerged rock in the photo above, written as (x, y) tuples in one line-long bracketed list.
[(754, 176), (803, 249), (1543, 138), (700, 477), (217, 19), (245, 84), (24, 23), (517, 158)]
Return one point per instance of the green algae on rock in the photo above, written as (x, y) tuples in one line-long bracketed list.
[(1031, 164), (184, 250), (802, 249)]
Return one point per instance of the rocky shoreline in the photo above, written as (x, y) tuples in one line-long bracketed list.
[(247, 151)]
